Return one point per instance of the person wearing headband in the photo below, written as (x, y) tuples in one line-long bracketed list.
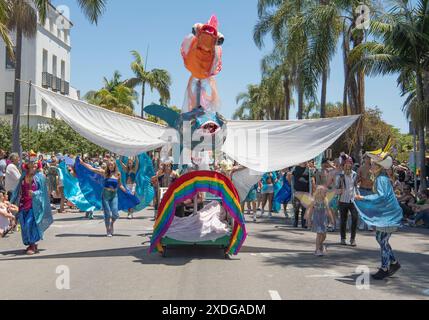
[(382, 210), (32, 198)]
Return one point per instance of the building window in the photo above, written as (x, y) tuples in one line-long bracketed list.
[(9, 102), (10, 63), (53, 114), (45, 61), (66, 36), (44, 108), (63, 70), (54, 65)]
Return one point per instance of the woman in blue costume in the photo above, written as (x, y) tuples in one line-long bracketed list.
[(32, 197), (129, 175), (284, 195), (251, 201), (109, 199), (382, 211), (136, 175), (270, 186)]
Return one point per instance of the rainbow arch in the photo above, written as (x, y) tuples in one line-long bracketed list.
[(186, 187)]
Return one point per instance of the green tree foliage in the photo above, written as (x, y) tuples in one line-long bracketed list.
[(57, 137), (375, 131)]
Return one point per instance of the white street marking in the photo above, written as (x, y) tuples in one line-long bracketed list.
[(274, 295), (327, 274)]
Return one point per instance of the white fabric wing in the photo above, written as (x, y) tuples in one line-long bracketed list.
[(244, 180), (119, 133), (266, 146)]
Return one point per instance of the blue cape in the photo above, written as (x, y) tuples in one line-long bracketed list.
[(380, 209), (285, 193), (72, 190), (41, 202), (92, 185), (144, 189)]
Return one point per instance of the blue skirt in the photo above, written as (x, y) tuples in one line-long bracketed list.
[(29, 229)]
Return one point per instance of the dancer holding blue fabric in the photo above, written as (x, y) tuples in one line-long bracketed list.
[(110, 199), (382, 211), (284, 195), (32, 198), (130, 169), (136, 175)]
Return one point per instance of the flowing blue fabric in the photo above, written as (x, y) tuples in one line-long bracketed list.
[(380, 209), (285, 193), (72, 190), (144, 189), (92, 185), (41, 211)]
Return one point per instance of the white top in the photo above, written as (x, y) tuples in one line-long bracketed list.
[(12, 177), (349, 190)]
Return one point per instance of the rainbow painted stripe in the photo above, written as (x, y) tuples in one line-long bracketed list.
[(186, 187)]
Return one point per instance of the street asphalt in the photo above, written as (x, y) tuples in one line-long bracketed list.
[(276, 262)]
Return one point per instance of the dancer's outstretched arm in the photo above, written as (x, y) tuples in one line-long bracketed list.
[(95, 170)]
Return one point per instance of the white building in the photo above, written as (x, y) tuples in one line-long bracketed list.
[(46, 62)]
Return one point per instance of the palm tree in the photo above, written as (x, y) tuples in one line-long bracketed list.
[(114, 95), (22, 18), (5, 10), (296, 26), (403, 48), (250, 108), (111, 84), (277, 67), (119, 99), (158, 79)]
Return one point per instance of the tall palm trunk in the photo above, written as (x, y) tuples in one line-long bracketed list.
[(143, 93), (300, 99), (286, 86), (323, 93), (346, 73), (16, 143), (421, 131)]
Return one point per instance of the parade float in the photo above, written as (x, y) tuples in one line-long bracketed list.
[(257, 146)]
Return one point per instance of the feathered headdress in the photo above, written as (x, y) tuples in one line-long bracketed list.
[(381, 156)]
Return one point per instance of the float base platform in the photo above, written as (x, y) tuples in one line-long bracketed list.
[(221, 243)]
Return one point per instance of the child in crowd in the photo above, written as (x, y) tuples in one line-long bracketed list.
[(7, 218), (317, 216)]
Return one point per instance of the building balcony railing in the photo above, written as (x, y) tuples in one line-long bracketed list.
[(65, 87), (56, 84), (46, 80)]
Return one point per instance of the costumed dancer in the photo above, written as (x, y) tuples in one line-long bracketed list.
[(269, 180), (284, 195), (251, 201), (109, 197), (381, 210), (130, 169), (136, 175), (32, 197), (317, 217)]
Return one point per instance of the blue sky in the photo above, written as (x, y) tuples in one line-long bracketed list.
[(98, 51)]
